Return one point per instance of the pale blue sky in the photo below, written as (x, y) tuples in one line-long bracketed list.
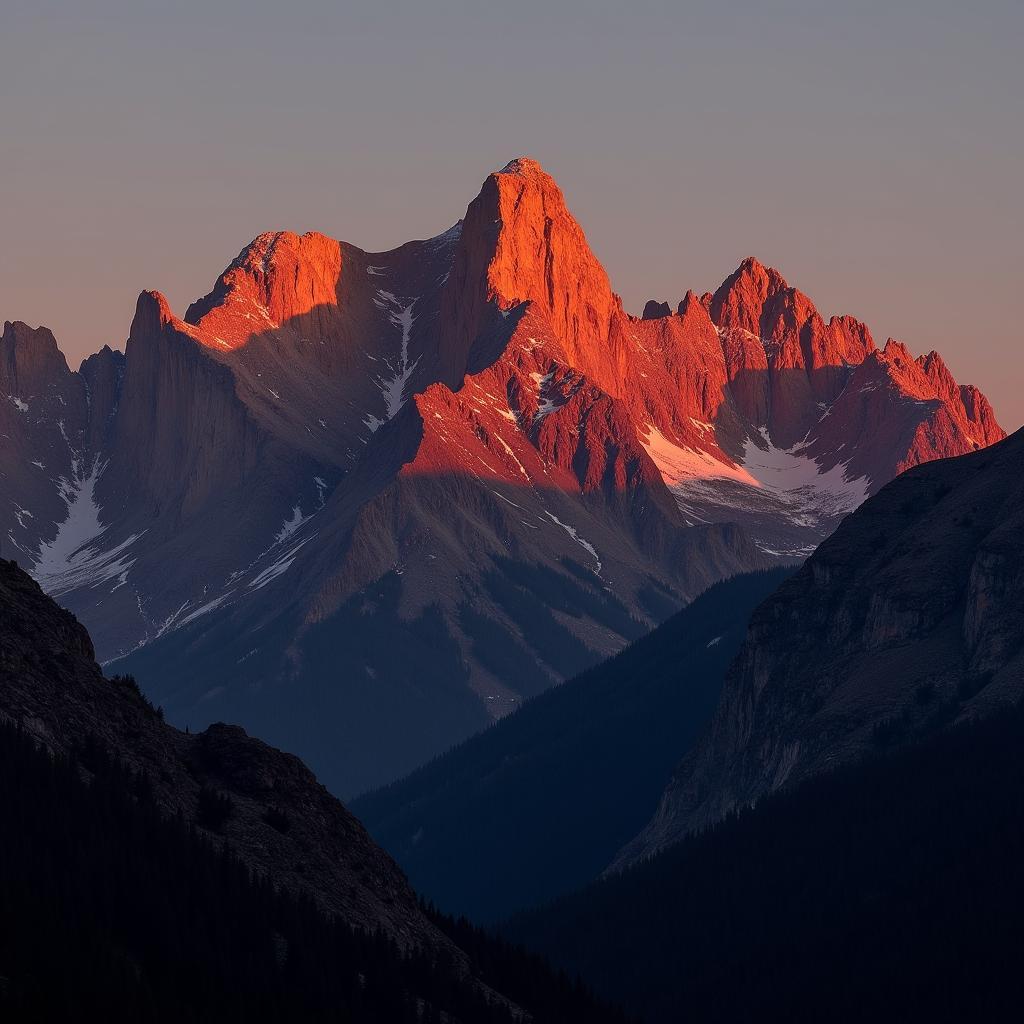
[(873, 152)]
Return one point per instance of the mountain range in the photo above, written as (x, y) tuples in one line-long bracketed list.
[(366, 503)]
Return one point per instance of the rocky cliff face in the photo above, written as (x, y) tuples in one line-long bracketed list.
[(907, 618), (464, 441), (45, 415)]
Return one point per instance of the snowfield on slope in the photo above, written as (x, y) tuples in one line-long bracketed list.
[(75, 558), (768, 485)]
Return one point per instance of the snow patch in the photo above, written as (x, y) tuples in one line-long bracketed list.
[(203, 609), (291, 524), (678, 464), (512, 455), (545, 406), (571, 530), (786, 485), (393, 387), (787, 472), (276, 568), (20, 513), (75, 558), (18, 403), (509, 500), (171, 619)]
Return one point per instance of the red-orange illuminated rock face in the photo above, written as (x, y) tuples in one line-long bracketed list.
[(520, 244), (465, 440), (283, 277)]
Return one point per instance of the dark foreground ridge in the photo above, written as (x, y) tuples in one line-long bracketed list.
[(888, 890), (149, 874), (111, 911)]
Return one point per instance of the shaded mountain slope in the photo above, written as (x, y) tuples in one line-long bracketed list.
[(537, 804), (909, 616)]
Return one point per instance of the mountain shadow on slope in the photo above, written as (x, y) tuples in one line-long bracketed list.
[(538, 804), (891, 889), (529, 594), (377, 694)]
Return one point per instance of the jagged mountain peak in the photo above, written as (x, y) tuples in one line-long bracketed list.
[(279, 278), (654, 310), (270, 246), (938, 373), (105, 357), (17, 331), (519, 244), (29, 359), (155, 321), (152, 312), (693, 309), (897, 350), (526, 167), (739, 301)]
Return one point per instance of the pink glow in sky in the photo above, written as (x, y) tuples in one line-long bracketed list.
[(873, 152)]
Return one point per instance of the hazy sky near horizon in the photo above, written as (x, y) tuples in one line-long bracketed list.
[(872, 152)]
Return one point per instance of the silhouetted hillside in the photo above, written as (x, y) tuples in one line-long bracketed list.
[(152, 875), (888, 890), (110, 911)]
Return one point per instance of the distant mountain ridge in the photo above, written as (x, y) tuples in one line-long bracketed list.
[(465, 440)]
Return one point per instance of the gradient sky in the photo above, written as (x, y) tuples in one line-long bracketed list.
[(873, 152)]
